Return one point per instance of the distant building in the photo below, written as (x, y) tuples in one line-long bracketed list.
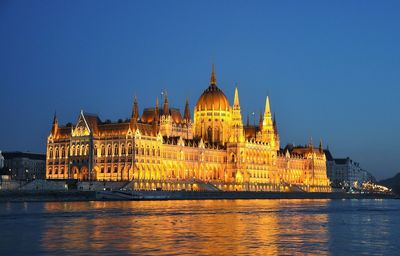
[(25, 165), (1, 161), (345, 172)]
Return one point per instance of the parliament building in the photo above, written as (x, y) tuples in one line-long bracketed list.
[(165, 150)]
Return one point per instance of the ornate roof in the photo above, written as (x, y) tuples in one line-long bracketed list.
[(213, 98)]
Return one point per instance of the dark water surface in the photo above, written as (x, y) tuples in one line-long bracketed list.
[(219, 227)]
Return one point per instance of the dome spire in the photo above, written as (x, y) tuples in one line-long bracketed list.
[(213, 80)]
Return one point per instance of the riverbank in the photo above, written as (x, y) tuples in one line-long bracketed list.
[(77, 195)]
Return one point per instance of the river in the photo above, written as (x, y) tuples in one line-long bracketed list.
[(210, 227)]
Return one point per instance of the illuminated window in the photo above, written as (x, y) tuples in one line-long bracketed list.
[(50, 152), (116, 150), (129, 149)]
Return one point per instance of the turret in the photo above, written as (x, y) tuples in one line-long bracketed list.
[(54, 128), (135, 112), (321, 150), (157, 112), (166, 105), (236, 104), (237, 134), (186, 115)]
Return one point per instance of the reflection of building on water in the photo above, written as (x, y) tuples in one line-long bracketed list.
[(163, 149), (260, 227)]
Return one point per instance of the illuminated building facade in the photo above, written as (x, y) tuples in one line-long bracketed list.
[(163, 149)]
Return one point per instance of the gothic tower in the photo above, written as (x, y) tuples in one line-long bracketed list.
[(237, 123), (268, 128)]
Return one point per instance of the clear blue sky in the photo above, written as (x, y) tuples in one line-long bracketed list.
[(331, 68)]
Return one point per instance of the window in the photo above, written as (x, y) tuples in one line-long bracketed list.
[(116, 150), (123, 150), (129, 149), (109, 153)]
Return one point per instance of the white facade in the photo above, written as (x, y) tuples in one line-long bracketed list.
[(1, 160), (345, 172)]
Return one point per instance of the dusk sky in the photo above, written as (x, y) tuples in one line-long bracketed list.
[(331, 68)]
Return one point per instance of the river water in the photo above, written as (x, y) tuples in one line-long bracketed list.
[(214, 227)]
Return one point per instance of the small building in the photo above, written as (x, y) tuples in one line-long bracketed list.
[(25, 165), (1, 161), (345, 172)]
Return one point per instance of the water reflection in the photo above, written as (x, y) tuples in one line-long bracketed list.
[(256, 227), (223, 227)]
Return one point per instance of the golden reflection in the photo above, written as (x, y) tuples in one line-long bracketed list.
[(221, 227)]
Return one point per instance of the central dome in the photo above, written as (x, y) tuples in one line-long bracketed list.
[(212, 98)]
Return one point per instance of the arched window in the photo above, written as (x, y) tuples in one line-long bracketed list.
[(209, 134), (123, 150), (95, 150), (147, 151), (153, 151), (62, 170), (136, 149), (86, 150), (62, 152), (109, 153), (129, 149), (77, 150), (72, 150), (103, 150), (115, 169), (50, 152), (57, 153), (50, 171), (216, 134), (116, 150)]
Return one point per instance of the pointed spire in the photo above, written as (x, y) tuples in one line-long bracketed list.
[(166, 105), (55, 121), (274, 124), (55, 124), (236, 104), (320, 146), (186, 115), (213, 80), (267, 106), (135, 110)]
